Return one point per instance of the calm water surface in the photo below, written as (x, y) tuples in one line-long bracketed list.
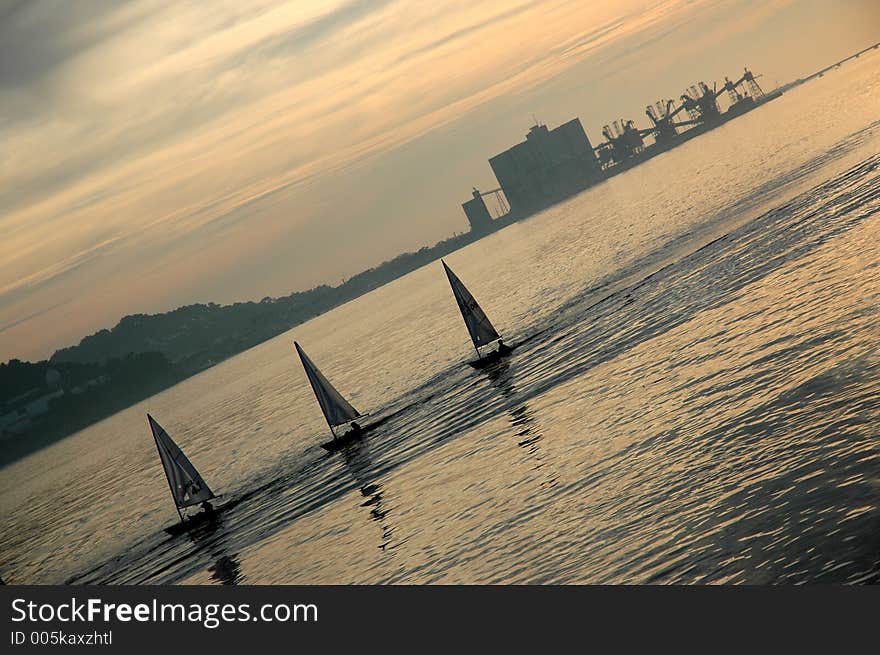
[(697, 398)]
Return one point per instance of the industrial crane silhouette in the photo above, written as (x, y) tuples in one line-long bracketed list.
[(701, 103), (743, 93), (622, 141), (751, 81), (625, 142), (662, 114)]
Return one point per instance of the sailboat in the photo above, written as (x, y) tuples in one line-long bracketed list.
[(479, 326), (187, 486), (337, 411)]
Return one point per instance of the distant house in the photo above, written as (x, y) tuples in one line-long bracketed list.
[(20, 412)]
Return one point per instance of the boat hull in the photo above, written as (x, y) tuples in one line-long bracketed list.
[(192, 522), (202, 519), (353, 436), (492, 357), (347, 439)]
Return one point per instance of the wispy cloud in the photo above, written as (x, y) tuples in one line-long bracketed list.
[(154, 150)]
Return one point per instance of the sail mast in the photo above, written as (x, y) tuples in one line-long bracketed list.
[(315, 390), (335, 408), (152, 422), (187, 485), (480, 328)]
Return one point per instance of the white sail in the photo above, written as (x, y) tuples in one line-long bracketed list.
[(187, 486), (337, 410), (480, 328)]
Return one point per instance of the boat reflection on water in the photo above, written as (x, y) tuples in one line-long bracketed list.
[(226, 570), (357, 460), (522, 418), (211, 537)]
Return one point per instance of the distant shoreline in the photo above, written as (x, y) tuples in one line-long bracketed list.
[(197, 337), (111, 370)]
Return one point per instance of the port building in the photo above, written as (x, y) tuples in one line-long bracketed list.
[(477, 213), (551, 165), (548, 165)]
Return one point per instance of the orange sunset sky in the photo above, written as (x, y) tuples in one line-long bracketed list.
[(158, 153)]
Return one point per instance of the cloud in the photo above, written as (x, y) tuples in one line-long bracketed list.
[(38, 36), (181, 142)]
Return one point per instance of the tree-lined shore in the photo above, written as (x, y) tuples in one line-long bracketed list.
[(42, 402)]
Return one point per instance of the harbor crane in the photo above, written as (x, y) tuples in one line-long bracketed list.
[(701, 103), (665, 128), (623, 141)]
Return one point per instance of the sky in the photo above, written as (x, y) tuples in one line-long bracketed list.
[(158, 153)]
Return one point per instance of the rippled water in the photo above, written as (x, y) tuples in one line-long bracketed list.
[(696, 398)]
